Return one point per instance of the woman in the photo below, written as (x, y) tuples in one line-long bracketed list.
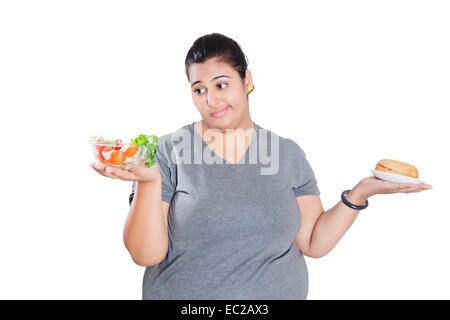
[(214, 221)]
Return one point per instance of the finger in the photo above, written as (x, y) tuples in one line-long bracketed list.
[(401, 187), (421, 187), (406, 189), (393, 187), (414, 188), (130, 170), (128, 167), (118, 173), (425, 186), (104, 170), (100, 168)]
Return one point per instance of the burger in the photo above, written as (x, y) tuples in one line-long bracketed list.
[(397, 167)]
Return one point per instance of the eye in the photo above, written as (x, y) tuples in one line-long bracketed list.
[(197, 90), (222, 84)]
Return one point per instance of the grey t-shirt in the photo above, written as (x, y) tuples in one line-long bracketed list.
[(232, 227)]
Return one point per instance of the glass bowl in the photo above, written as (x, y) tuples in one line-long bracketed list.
[(116, 154)]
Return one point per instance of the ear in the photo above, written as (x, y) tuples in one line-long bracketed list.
[(248, 81)]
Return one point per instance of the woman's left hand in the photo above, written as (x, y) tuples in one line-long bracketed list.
[(371, 185)]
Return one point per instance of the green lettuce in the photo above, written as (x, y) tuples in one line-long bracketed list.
[(150, 142)]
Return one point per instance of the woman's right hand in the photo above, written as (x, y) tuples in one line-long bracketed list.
[(130, 172)]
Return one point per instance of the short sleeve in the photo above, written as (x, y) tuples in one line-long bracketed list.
[(305, 183), (168, 175)]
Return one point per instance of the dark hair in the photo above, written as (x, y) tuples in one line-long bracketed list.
[(216, 45)]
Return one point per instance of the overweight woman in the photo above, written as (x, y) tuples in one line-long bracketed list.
[(230, 208)]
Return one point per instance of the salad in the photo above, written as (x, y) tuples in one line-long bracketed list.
[(119, 153)]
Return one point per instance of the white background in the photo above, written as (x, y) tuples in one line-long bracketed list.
[(351, 81)]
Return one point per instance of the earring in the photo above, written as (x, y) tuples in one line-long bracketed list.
[(250, 88)]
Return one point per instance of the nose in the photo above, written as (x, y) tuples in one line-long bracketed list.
[(213, 100)]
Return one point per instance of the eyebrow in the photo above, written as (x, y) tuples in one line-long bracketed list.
[(211, 80)]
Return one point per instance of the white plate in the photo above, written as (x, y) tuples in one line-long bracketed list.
[(395, 177)]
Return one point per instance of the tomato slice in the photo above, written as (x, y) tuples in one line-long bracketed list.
[(118, 157), (131, 151), (384, 166), (118, 146), (100, 157), (99, 145)]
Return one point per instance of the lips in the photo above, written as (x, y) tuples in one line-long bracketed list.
[(220, 112)]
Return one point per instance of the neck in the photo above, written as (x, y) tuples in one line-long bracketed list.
[(225, 143), (244, 124)]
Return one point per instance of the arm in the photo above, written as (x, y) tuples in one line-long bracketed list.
[(320, 231), (146, 228)]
